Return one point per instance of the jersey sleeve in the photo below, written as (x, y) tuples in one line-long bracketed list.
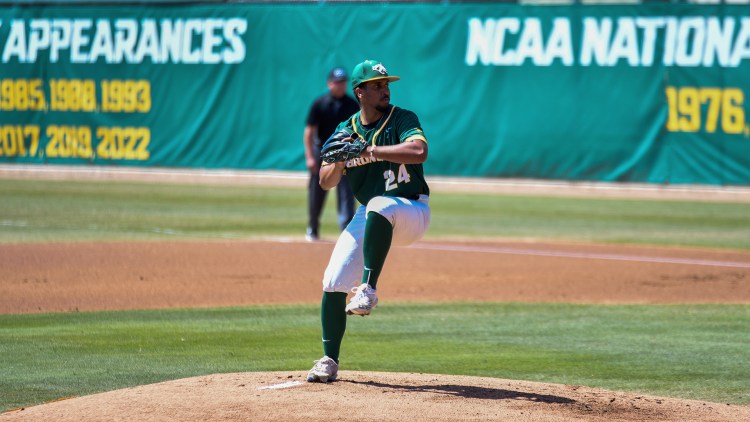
[(345, 124), (408, 127)]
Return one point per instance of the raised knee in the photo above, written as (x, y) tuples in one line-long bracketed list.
[(384, 206)]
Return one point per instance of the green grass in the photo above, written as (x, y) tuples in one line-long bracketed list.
[(689, 351), (678, 223), (700, 351), (44, 211)]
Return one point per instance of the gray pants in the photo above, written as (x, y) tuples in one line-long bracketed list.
[(316, 198)]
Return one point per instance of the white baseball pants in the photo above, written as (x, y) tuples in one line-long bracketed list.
[(409, 218)]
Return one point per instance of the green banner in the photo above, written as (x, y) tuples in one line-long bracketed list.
[(641, 93)]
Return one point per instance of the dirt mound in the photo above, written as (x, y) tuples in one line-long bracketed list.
[(275, 396), (90, 276)]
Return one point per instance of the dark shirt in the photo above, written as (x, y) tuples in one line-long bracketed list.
[(326, 113)]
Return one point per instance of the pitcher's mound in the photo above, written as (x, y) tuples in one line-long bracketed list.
[(285, 396)]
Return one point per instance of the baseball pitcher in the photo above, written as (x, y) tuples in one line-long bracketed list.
[(381, 149)]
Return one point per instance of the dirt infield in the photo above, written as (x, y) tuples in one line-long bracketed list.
[(153, 275), (121, 275)]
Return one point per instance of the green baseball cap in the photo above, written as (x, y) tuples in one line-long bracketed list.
[(370, 70)]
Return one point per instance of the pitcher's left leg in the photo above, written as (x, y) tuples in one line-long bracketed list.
[(388, 219)]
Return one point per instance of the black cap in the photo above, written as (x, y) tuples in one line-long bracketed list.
[(337, 74)]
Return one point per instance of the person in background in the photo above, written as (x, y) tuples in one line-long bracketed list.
[(326, 112)]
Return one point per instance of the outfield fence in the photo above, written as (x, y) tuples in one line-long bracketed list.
[(646, 92)]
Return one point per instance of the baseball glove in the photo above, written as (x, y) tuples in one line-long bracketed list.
[(343, 145)]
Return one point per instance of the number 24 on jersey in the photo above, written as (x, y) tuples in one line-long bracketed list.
[(390, 178)]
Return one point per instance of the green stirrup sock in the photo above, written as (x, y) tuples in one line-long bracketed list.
[(333, 318), (378, 236)]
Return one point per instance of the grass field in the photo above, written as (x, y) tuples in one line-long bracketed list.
[(699, 351), (43, 211), (688, 351)]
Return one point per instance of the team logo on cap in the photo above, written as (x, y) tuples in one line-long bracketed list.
[(380, 69)]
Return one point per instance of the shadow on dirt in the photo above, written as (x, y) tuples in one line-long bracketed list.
[(470, 392)]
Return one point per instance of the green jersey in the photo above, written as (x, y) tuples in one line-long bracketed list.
[(369, 178)]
